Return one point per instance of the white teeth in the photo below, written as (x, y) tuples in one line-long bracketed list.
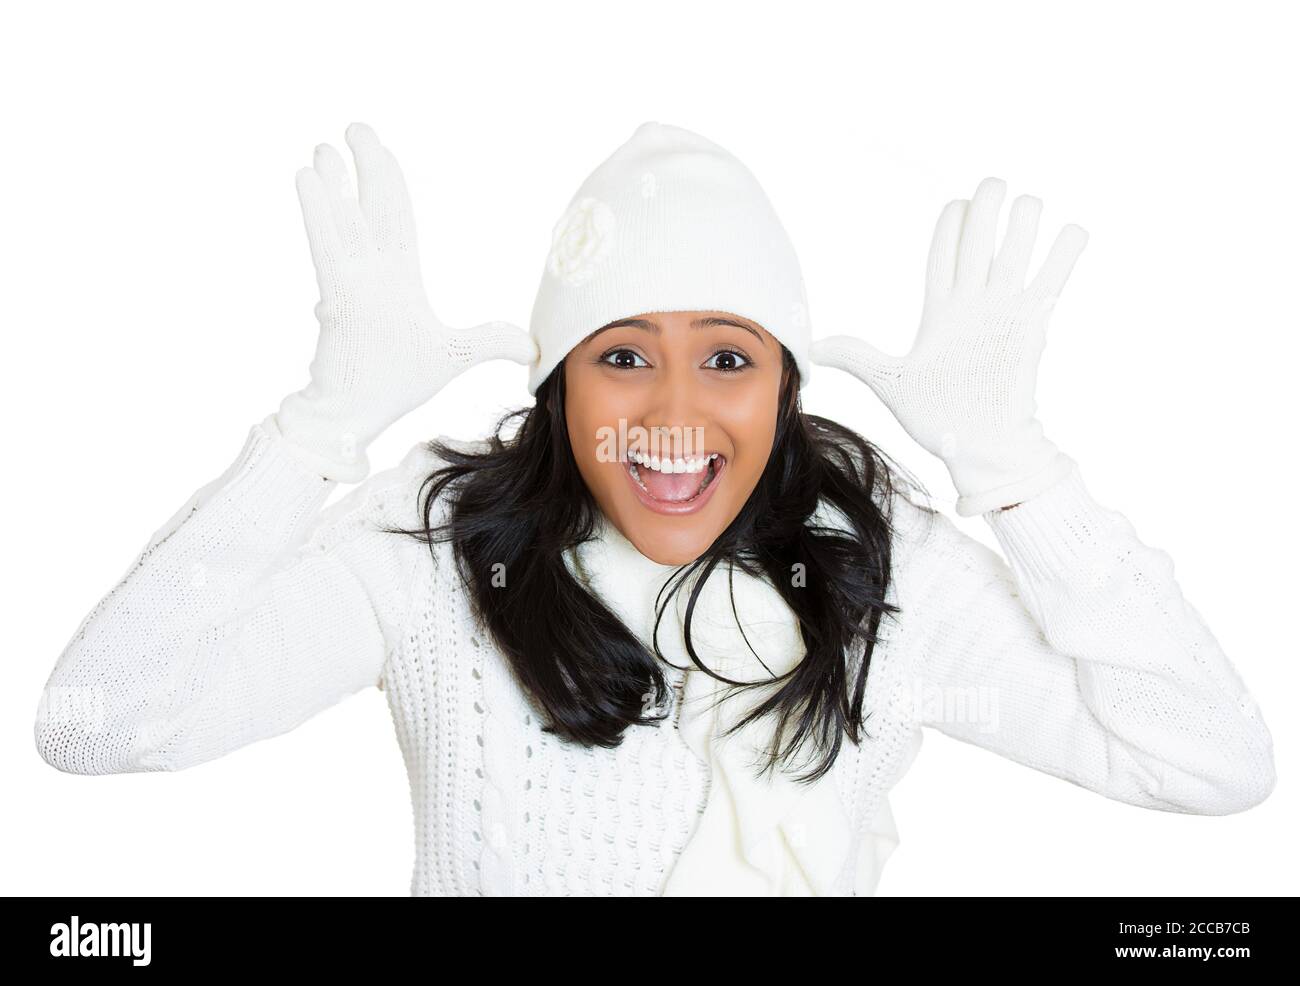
[(692, 464), (635, 460)]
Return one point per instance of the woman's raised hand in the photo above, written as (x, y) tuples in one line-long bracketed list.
[(965, 391), (382, 352)]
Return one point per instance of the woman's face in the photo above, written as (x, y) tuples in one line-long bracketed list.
[(713, 380)]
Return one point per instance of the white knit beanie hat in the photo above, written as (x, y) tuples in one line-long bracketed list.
[(669, 222)]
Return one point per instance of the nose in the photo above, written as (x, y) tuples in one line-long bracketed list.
[(675, 402)]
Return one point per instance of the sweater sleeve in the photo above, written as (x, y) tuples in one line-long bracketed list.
[(250, 610), (1079, 656)]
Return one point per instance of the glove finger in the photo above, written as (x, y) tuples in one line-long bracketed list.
[(318, 219), (1060, 261), (941, 267), (1018, 245), (383, 196), (877, 370), (342, 198), (333, 171), (975, 254), (489, 341)]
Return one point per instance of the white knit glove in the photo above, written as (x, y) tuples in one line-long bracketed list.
[(965, 391), (382, 352)]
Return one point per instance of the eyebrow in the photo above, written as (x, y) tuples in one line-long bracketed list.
[(707, 321)]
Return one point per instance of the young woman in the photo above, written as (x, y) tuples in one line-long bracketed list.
[(670, 634)]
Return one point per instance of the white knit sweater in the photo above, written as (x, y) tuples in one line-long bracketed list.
[(254, 607)]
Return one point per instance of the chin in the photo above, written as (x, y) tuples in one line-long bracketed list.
[(672, 540), (668, 545)]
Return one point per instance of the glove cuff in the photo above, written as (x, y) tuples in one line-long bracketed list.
[(332, 452), (970, 504)]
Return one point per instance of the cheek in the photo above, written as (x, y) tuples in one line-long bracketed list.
[(750, 415), (592, 414)]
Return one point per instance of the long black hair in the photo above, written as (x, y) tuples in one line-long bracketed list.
[(521, 502)]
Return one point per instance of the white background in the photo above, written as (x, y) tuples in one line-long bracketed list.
[(158, 297)]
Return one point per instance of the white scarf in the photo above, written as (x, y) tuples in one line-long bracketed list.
[(757, 837)]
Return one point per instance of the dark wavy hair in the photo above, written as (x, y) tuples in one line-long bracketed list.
[(522, 502)]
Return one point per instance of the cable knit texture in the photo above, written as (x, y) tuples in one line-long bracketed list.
[(254, 607)]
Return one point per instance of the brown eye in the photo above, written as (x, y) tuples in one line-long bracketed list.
[(621, 359), (729, 358)]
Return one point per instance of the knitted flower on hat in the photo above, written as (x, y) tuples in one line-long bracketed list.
[(580, 240)]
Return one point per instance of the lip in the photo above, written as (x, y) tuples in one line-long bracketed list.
[(670, 508)]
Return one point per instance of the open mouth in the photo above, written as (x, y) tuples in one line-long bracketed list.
[(676, 487)]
